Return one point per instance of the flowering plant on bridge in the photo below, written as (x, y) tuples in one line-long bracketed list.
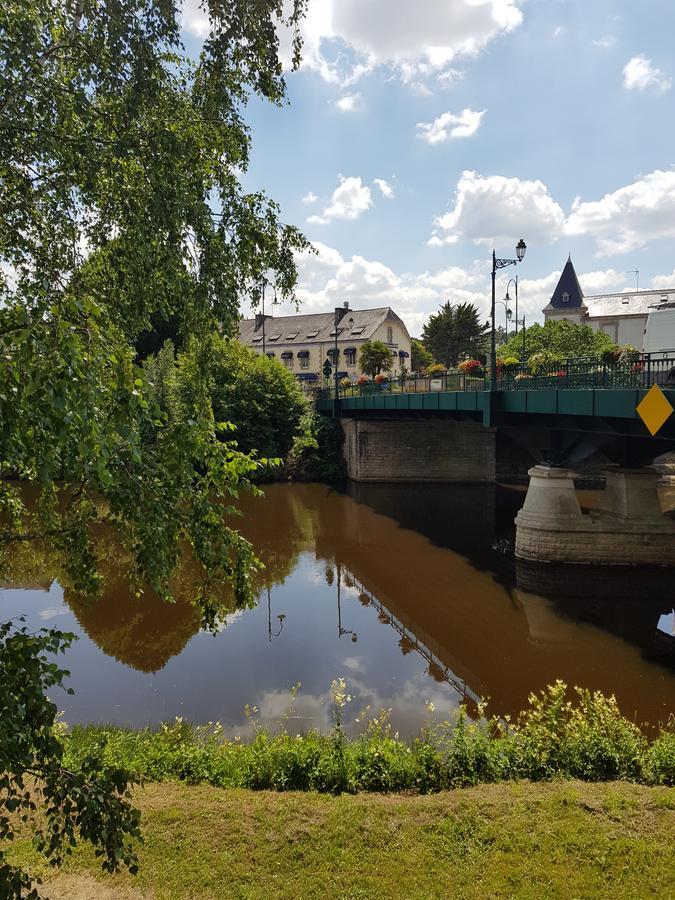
[(381, 378), (508, 364), (362, 379), (435, 369), (471, 367)]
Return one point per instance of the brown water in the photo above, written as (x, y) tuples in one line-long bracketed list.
[(410, 592)]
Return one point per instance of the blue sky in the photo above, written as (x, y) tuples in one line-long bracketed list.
[(418, 134)]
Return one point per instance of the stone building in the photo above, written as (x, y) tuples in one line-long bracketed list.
[(303, 343), (622, 316)]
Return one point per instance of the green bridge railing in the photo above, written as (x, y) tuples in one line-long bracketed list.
[(580, 373)]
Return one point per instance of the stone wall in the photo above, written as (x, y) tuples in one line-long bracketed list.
[(418, 450)]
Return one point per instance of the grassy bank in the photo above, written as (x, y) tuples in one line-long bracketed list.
[(561, 734), (569, 839)]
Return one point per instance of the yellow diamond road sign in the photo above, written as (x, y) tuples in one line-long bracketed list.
[(654, 409)]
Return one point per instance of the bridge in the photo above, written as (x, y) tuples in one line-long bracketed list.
[(452, 428)]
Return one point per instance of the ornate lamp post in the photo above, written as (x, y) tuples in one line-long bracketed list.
[(507, 299), (521, 247), (508, 315), (275, 302)]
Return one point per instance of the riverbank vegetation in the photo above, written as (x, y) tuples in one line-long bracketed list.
[(561, 734), (569, 839)]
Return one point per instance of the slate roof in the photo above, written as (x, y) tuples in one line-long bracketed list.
[(319, 325), (568, 283), (629, 303)]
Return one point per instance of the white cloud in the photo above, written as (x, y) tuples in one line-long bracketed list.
[(630, 217), (348, 102), (343, 39), (662, 282), (194, 20), (350, 199), (639, 74), (309, 198), (605, 43), (327, 279), (450, 125), (496, 208), (384, 186)]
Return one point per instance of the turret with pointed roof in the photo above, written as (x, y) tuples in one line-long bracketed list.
[(567, 297)]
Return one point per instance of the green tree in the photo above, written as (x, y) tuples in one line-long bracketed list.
[(420, 357), (121, 207), (255, 394), (563, 338), (455, 332), (375, 357)]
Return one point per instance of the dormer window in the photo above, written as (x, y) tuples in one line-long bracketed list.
[(565, 297)]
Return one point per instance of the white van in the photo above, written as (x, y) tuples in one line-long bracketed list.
[(660, 332)]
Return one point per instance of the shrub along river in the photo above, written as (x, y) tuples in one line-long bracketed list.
[(410, 592)]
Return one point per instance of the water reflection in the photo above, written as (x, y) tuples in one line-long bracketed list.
[(397, 587)]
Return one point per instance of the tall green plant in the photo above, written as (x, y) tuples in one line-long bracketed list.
[(562, 338), (375, 357)]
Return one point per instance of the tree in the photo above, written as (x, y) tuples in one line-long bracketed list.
[(121, 207), (563, 338), (375, 357), (454, 332), (420, 357), (257, 395)]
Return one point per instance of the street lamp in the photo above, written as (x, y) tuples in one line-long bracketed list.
[(340, 313), (508, 315), (508, 299), (275, 302), (521, 247)]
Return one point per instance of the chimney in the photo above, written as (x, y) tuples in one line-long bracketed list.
[(341, 312), (259, 319)]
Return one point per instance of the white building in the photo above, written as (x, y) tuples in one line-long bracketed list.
[(304, 343), (622, 316)]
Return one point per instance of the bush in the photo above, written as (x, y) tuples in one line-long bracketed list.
[(471, 367), (256, 394), (435, 369), (316, 454), (560, 735), (544, 359), (508, 364)]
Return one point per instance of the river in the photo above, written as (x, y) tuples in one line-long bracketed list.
[(410, 592)]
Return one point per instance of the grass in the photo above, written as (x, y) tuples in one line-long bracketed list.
[(570, 839)]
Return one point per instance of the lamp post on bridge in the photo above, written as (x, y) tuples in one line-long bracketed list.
[(521, 247), (507, 299), (508, 315)]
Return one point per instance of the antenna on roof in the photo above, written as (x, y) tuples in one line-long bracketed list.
[(635, 272)]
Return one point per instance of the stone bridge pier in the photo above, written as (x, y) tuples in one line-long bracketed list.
[(627, 528), (418, 450)]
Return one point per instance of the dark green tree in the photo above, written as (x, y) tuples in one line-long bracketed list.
[(119, 150), (455, 332), (565, 339), (420, 357), (375, 357)]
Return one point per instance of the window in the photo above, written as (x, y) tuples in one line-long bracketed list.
[(292, 336), (312, 334), (304, 362), (288, 362), (566, 297), (664, 298), (257, 340), (274, 337), (358, 330), (350, 356), (390, 335)]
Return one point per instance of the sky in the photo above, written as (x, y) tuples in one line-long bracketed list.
[(420, 134)]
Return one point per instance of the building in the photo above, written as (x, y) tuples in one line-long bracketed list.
[(622, 316), (304, 343)]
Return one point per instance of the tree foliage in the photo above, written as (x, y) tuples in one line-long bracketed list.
[(257, 395), (455, 332), (420, 357), (562, 338), (375, 357), (121, 208)]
